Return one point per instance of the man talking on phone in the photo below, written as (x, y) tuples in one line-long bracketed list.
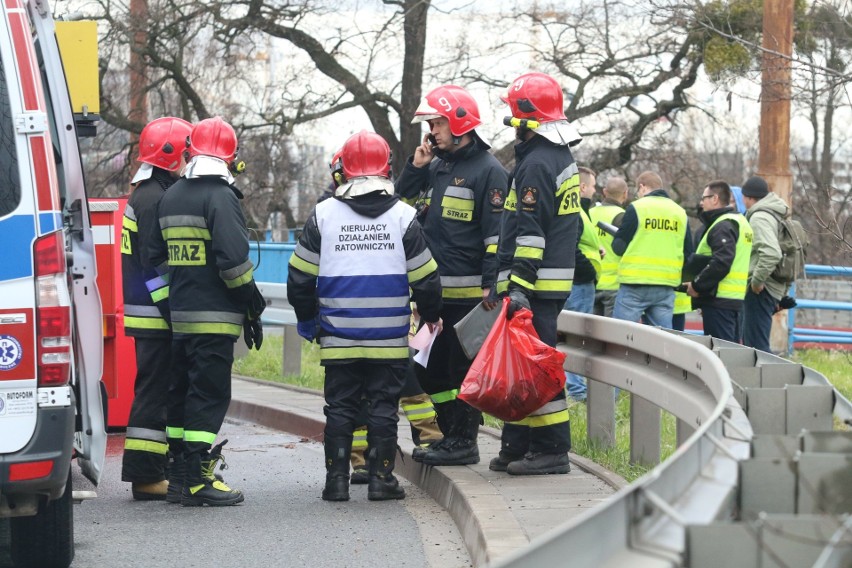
[(461, 189)]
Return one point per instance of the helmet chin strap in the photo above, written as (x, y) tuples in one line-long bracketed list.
[(456, 140)]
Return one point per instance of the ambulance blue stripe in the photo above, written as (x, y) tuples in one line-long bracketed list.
[(49, 222), (16, 246), (362, 286)]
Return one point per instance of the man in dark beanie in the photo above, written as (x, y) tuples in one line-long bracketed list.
[(765, 211)]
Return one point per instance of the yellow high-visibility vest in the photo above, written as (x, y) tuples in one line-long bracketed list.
[(655, 255), (733, 286), (589, 244), (608, 276)]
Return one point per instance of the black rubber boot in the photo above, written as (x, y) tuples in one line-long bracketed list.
[(446, 416), (540, 464), (337, 452), (177, 474), (502, 461), (461, 447), (381, 458), (202, 487)]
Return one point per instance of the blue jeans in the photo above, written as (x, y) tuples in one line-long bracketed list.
[(582, 300), (758, 310), (656, 303)]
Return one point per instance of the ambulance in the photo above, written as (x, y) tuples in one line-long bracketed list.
[(51, 326)]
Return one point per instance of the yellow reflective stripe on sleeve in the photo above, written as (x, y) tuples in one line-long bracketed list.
[(130, 225), (518, 280), (240, 280), (145, 323), (529, 252), (146, 446), (548, 419), (554, 285), (491, 249), (502, 286), (303, 265), (207, 327), (186, 233), (422, 272), (457, 203), (161, 294), (199, 436)]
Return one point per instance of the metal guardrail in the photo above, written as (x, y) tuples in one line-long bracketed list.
[(734, 407), (811, 335)]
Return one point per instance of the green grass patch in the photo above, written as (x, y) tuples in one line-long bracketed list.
[(267, 363)]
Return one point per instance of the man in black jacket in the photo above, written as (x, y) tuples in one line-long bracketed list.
[(146, 317), (720, 263), (462, 188)]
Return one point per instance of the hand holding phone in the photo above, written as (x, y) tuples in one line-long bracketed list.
[(423, 153)]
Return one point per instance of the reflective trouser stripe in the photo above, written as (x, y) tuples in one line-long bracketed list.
[(554, 412), (146, 446), (146, 434), (198, 436), (327, 353), (359, 438), (174, 432), (419, 411), (445, 396), (192, 328)]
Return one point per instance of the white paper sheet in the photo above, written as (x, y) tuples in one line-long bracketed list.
[(423, 341)]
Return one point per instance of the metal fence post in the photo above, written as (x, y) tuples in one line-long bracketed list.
[(292, 360), (600, 413), (644, 431)]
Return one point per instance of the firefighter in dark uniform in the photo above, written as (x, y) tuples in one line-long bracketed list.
[(348, 282), (536, 256), (161, 146), (204, 242), (464, 187)]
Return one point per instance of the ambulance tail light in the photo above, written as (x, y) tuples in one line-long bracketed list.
[(53, 331)]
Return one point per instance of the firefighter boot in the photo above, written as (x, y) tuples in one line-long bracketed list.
[(202, 487), (150, 491), (535, 463), (461, 446), (381, 458), (444, 419), (337, 452), (177, 469), (423, 421), (358, 457)]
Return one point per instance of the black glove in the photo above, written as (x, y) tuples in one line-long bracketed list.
[(257, 303), (517, 300), (253, 333)]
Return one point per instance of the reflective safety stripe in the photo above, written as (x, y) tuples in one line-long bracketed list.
[(418, 261), (307, 255), (491, 249), (461, 286), (160, 295), (299, 263), (331, 341), (414, 416), (359, 439), (548, 419), (202, 328), (130, 224), (155, 283), (238, 275), (145, 323), (206, 316), (199, 436), (420, 273), (368, 322), (445, 396), (146, 434), (141, 311), (337, 353), (183, 221), (531, 241), (379, 302), (174, 432), (146, 446), (529, 252), (172, 233)]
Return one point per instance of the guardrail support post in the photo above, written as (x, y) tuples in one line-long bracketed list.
[(682, 432), (644, 431), (600, 413), (292, 362)]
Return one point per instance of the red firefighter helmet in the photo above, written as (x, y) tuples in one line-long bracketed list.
[(453, 103), (365, 154), (162, 142), (536, 96), (213, 137)]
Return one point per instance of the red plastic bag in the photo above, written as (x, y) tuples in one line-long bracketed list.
[(514, 373)]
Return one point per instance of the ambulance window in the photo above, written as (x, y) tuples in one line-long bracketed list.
[(10, 182)]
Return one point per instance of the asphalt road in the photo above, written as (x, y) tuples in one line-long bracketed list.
[(283, 521)]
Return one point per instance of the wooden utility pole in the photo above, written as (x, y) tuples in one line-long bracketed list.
[(774, 158), (138, 69)]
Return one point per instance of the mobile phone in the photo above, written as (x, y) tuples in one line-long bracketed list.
[(432, 140)]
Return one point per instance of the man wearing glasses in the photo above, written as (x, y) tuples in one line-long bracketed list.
[(724, 251)]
